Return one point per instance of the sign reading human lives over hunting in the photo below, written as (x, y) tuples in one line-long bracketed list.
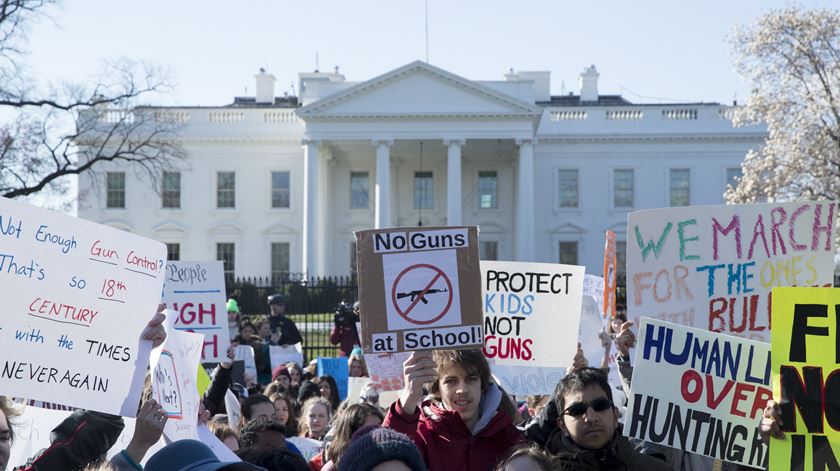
[(700, 392), (806, 378), (76, 297), (174, 368), (420, 288), (524, 303), (713, 267), (194, 293)]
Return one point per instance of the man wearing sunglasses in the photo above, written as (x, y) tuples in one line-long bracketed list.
[(587, 436)]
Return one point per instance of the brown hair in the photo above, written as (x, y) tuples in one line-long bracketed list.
[(346, 424), (361, 359), (539, 457), (222, 431), (472, 361), (292, 423), (303, 426)]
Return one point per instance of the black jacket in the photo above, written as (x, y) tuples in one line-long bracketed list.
[(289, 333), (619, 454)]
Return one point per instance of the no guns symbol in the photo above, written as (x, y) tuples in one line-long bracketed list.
[(421, 281)]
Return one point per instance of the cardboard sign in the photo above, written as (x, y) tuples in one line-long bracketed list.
[(386, 370), (713, 267), (282, 354), (338, 369), (806, 383), (420, 288), (194, 292), (76, 297), (700, 392), (610, 274), (174, 370)]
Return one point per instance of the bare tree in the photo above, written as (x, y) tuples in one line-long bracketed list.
[(73, 128), (791, 58)]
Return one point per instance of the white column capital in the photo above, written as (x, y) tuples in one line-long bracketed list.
[(531, 141), (378, 142), (310, 142), (456, 142)]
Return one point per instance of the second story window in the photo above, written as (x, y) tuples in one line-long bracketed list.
[(680, 187), (623, 188), (115, 190), (488, 190), (359, 190), (171, 190), (424, 197), (280, 195), (225, 189), (567, 188)]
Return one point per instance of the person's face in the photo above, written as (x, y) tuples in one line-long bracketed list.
[(270, 439), (615, 325), (284, 381), (460, 392), (277, 309), (281, 409), (393, 465), (295, 374), (317, 419), (372, 420), (592, 429), (232, 443), (326, 390), (247, 332), (5, 441), (265, 329), (356, 368), (263, 409), (233, 316), (523, 463), (540, 406)]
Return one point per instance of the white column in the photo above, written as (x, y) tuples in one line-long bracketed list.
[(453, 181), (525, 201), (311, 203), (382, 190)]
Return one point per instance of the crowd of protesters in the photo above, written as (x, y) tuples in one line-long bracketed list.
[(451, 415)]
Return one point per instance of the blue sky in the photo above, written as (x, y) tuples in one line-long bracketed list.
[(646, 50)]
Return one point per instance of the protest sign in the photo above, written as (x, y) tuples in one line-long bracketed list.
[(420, 288), (700, 392), (77, 296), (282, 354), (386, 370), (174, 370), (354, 388), (233, 409), (610, 274), (195, 293), (523, 305), (338, 369), (593, 285), (248, 367), (806, 382), (713, 267)]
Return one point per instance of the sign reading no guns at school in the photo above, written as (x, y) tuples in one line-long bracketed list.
[(699, 392), (419, 288), (76, 297), (713, 267)]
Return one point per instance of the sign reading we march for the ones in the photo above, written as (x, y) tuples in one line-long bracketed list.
[(713, 267), (523, 305), (194, 292), (700, 392), (806, 378), (76, 297), (419, 288)]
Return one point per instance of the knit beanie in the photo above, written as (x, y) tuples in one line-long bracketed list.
[(280, 370), (308, 389), (232, 306), (378, 446)]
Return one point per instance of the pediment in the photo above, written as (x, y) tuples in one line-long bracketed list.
[(170, 227), (119, 224), (225, 228), (278, 229), (417, 90), (568, 228)]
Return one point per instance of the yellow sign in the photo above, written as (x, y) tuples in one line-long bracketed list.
[(202, 380), (806, 377)]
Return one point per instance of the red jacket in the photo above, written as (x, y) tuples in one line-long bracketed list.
[(446, 443), (346, 336)]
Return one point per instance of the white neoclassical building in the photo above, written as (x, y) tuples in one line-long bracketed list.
[(274, 185)]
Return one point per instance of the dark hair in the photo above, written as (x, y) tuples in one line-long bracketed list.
[(250, 433), (291, 423), (538, 456), (472, 361), (282, 458), (346, 423), (334, 400), (578, 380), (249, 402), (10, 411)]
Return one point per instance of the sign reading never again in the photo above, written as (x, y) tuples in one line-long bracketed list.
[(420, 288)]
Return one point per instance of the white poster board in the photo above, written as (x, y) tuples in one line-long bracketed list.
[(245, 353), (700, 392), (77, 296), (195, 293), (174, 371), (593, 285), (282, 354), (386, 370), (524, 303), (713, 267)]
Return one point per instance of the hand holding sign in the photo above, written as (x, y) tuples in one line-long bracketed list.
[(771, 422), (147, 430), (418, 370), (154, 330), (625, 339)]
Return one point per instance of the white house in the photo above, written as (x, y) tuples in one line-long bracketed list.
[(277, 185)]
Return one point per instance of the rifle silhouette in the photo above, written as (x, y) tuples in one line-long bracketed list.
[(419, 292)]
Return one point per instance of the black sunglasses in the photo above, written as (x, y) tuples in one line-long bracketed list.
[(579, 408)]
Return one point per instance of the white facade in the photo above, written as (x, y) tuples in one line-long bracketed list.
[(538, 151)]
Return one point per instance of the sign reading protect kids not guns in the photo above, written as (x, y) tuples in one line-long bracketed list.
[(195, 293), (699, 392), (806, 378), (420, 288), (76, 298), (523, 305), (713, 267)]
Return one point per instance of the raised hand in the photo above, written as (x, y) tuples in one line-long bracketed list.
[(418, 370)]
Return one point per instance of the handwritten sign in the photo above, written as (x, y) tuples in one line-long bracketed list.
[(593, 285), (174, 371), (338, 369), (282, 354), (806, 382), (386, 370), (713, 267), (523, 305), (420, 288), (700, 392), (76, 298), (245, 354), (195, 293)]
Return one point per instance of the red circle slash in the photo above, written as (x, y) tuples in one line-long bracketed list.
[(405, 314)]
